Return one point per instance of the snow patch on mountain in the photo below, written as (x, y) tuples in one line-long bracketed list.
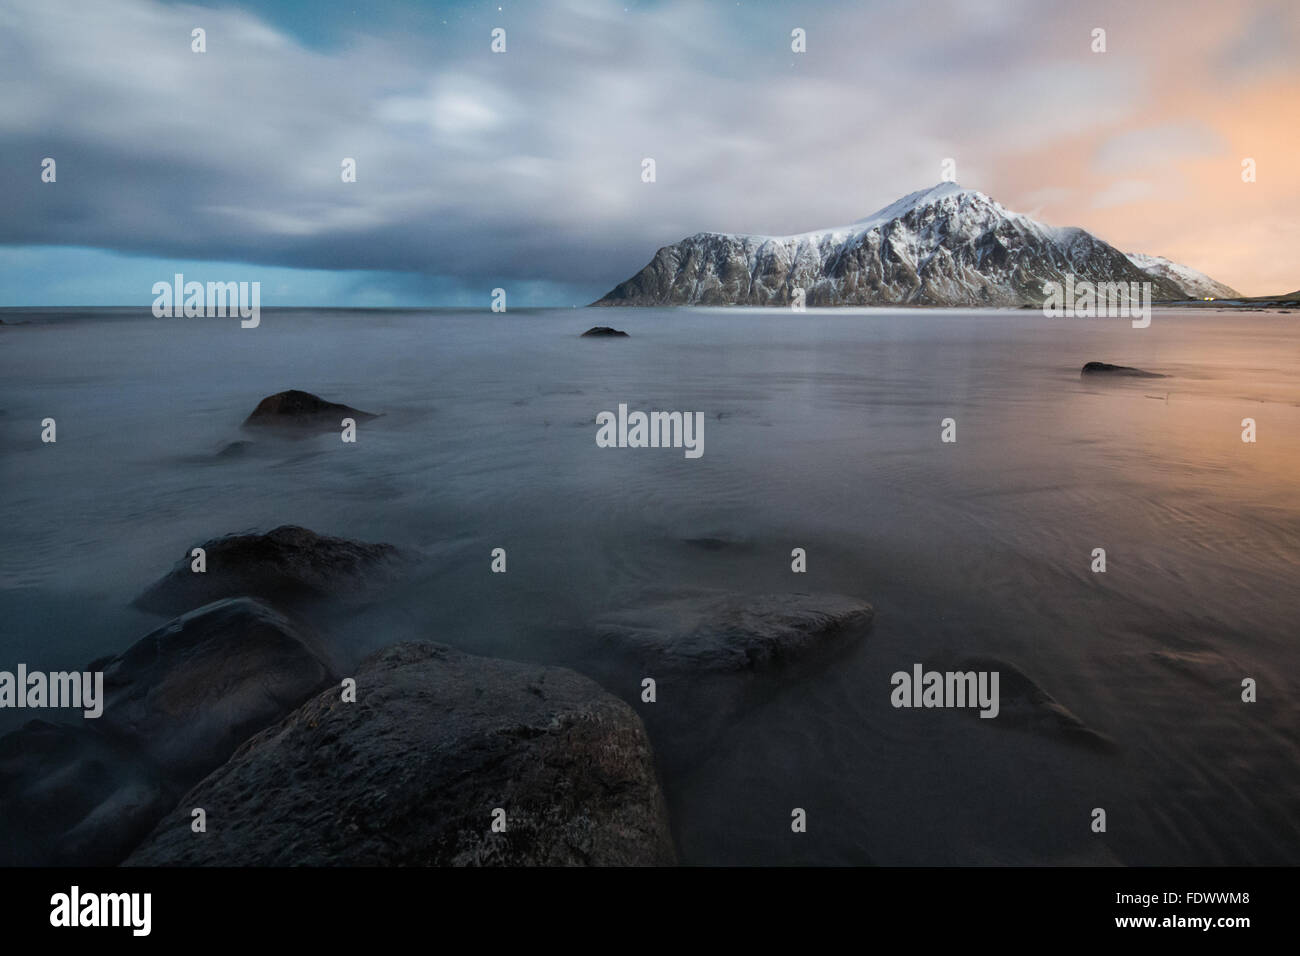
[(1197, 285)]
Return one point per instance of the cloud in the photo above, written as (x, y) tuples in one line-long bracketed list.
[(477, 169), (1127, 191), (1161, 146)]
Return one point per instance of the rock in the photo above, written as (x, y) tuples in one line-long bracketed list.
[(715, 657), (1024, 705), (604, 331), (234, 449), (176, 705), (411, 772), (708, 543), (286, 566), (296, 409), (189, 693), (70, 796), (726, 632), (1103, 368)]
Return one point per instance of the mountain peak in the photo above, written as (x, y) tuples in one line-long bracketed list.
[(961, 201), (922, 197), (918, 199)]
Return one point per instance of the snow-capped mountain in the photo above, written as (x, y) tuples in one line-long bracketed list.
[(1197, 285), (945, 246)]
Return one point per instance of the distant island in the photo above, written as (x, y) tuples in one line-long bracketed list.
[(943, 246)]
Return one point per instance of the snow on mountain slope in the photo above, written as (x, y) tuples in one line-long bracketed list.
[(1196, 284), (945, 246)]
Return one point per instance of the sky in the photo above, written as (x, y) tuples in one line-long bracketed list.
[(522, 170)]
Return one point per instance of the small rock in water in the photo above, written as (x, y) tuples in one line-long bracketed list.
[(234, 449), (1105, 368), (298, 409), (710, 544), (603, 330), (729, 632), (1024, 705)]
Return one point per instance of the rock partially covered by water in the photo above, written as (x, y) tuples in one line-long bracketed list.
[(714, 656), (298, 409), (1024, 705), (234, 449), (70, 796), (286, 566), (728, 632), (603, 331), (176, 704), (189, 693), (413, 770), (1104, 368)]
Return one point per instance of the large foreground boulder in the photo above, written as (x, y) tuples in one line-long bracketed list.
[(288, 566), (176, 705), (732, 632), (301, 410), (413, 770)]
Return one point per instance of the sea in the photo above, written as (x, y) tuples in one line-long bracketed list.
[(823, 431)]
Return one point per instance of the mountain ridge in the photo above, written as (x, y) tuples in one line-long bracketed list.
[(942, 246)]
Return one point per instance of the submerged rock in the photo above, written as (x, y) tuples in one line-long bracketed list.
[(714, 657), (1024, 705), (603, 331), (234, 449), (1104, 368), (413, 770), (176, 705), (298, 409), (286, 566), (729, 632), (709, 543)]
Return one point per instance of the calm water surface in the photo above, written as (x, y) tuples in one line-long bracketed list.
[(821, 432)]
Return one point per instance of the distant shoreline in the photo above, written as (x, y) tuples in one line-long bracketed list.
[(1254, 304)]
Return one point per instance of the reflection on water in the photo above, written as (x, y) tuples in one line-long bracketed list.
[(821, 432)]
